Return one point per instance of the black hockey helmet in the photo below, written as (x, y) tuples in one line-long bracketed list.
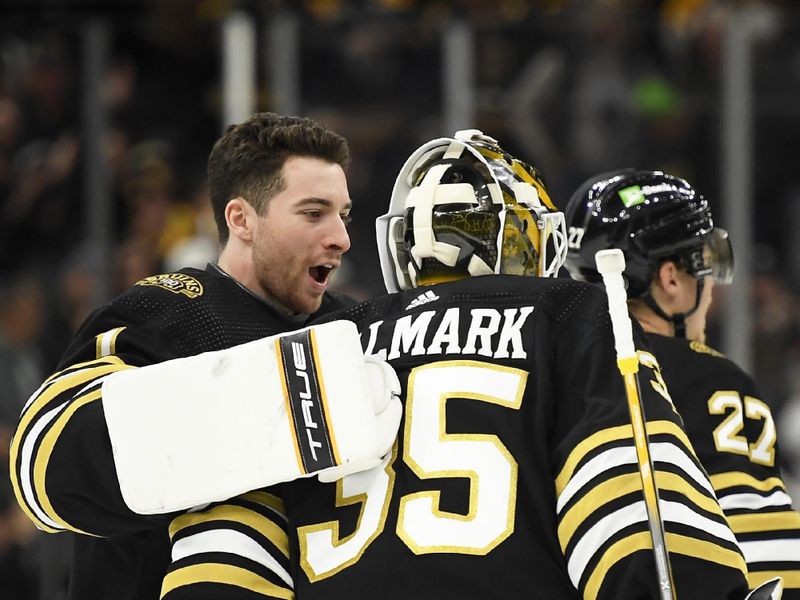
[(462, 206), (651, 216)]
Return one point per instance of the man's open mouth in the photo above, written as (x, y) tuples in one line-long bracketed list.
[(320, 273)]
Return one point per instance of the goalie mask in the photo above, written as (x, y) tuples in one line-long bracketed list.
[(463, 207), (651, 216)]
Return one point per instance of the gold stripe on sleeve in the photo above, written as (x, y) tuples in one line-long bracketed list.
[(730, 479), (267, 499), (237, 514), (791, 579), (106, 360), (224, 574), (774, 521)]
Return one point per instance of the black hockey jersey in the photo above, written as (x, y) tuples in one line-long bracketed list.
[(62, 466), (734, 435), (515, 473)]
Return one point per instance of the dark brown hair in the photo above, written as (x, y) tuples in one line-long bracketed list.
[(247, 161)]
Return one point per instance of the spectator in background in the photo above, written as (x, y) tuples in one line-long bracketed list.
[(10, 130), (21, 316), (164, 231), (197, 243), (43, 195), (776, 330)]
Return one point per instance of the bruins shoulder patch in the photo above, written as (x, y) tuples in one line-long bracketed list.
[(703, 349), (177, 283)]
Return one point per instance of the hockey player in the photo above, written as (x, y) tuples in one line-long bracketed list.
[(114, 452), (674, 256), (515, 473)]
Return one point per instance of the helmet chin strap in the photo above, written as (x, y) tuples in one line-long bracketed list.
[(678, 320)]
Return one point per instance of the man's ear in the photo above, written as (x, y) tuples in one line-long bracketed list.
[(666, 278), (240, 217)]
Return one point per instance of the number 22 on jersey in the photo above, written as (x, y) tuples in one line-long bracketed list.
[(431, 452)]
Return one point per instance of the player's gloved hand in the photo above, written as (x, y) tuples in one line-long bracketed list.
[(194, 430), (384, 391)]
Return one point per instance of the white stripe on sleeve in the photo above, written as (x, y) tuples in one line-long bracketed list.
[(229, 541), (771, 550), (755, 501)]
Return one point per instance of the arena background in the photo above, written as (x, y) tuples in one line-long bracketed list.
[(108, 111)]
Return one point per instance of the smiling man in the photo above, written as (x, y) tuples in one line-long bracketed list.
[(170, 398)]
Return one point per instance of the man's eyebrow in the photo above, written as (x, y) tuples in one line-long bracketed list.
[(314, 201)]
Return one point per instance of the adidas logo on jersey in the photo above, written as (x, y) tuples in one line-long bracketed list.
[(424, 298)]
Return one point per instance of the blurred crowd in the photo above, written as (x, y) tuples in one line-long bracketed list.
[(576, 87)]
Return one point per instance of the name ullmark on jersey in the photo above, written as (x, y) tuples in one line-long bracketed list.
[(423, 298), (481, 331), (177, 283)]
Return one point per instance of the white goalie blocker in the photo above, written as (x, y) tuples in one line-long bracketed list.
[(195, 430)]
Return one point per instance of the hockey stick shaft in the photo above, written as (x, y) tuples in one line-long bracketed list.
[(611, 264)]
